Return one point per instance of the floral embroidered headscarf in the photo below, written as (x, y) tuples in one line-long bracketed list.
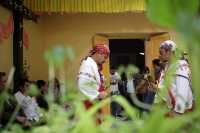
[(170, 45), (99, 48)]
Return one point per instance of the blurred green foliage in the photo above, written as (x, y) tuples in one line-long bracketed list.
[(181, 15)]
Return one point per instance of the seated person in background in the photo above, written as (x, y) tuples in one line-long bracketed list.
[(28, 103), (42, 103), (10, 105), (31, 110), (21, 94), (56, 90)]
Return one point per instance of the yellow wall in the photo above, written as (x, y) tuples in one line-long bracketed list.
[(147, 51), (6, 48), (78, 29), (33, 55)]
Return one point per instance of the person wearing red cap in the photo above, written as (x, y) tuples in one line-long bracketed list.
[(89, 84), (177, 76)]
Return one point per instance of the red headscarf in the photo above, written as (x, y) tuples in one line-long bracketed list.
[(99, 48)]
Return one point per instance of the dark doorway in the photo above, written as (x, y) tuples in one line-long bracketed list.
[(127, 51)]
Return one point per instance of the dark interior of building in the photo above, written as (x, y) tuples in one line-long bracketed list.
[(127, 51)]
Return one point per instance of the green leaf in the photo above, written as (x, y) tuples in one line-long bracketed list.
[(121, 69), (59, 55), (90, 84), (33, 90), (48, 56), (171, 13), (70, 53), (132, 68), (162, 12), (155, 120), (70, 85), (184, 6)]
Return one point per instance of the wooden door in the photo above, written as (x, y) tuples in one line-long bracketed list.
[(106, 66), (155, 42)]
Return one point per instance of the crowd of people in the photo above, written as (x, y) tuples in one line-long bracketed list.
[(91, 87), (171, 83), (129, 89), (171, 74), (24, 106)]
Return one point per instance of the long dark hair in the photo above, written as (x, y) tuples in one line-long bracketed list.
[(146, 70)]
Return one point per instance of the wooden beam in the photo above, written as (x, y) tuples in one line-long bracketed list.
[(19, 12), (18, 6), (129, 37), (17, 47)]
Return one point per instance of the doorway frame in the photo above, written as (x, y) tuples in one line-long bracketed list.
[(105, 37), (145, 36)]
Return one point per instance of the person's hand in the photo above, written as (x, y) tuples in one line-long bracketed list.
[(172, 113), (28, 124), (25, 121), (154, 87), (107, 86), (103, 95), (119, 81)]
